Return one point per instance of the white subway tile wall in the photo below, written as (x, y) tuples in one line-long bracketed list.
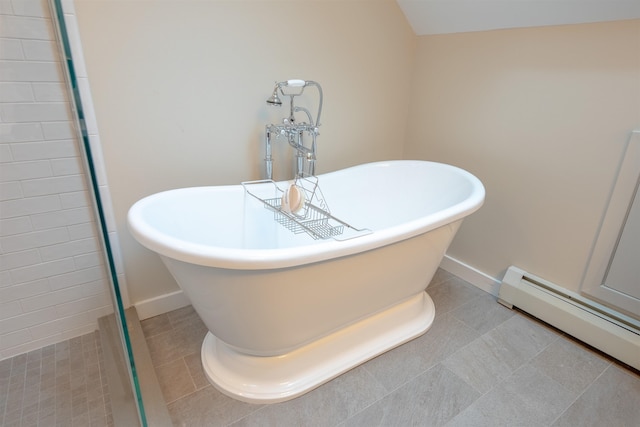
[(53, 282)]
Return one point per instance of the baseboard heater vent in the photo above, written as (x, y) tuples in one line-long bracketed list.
[(607, 330)]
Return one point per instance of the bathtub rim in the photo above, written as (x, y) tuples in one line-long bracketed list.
[(273, 258)]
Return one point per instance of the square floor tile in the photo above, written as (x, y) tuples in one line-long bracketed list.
[(612, 400), (527, 398), (430, 399)]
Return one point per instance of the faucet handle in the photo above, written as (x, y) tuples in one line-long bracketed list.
[(296, 83)]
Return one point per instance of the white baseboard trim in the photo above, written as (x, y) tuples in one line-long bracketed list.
[(471, 275), (161, 304)]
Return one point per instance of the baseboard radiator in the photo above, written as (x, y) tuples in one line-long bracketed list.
[(607, 330)]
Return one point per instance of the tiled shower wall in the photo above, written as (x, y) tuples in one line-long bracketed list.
[(53, 282)]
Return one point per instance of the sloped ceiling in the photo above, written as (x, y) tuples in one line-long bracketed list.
[(458, 16)]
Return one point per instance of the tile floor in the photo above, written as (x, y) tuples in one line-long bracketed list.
[(58, 385), (479, 365)]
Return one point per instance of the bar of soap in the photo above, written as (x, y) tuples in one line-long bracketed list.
[(293, 199)]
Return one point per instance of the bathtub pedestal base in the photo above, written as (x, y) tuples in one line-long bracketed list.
[(274, 379)]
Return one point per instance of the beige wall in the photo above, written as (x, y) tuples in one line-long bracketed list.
[(179, 88), (541, 116)]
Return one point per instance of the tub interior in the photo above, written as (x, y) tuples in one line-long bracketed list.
[(389, 194)]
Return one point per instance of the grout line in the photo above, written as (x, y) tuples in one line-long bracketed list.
[(583, 392), (259, 408), (187, 395), (193, 381)]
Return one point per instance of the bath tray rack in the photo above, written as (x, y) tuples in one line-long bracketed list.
[(313, 218)]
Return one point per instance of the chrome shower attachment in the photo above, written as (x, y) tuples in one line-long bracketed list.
[(293, 130), (275, 99)]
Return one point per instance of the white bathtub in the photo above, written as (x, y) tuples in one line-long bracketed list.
[(287, 312)]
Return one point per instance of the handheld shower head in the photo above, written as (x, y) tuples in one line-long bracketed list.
[(275, 99)]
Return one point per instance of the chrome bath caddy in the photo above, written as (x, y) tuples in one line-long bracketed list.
[(313, 217)]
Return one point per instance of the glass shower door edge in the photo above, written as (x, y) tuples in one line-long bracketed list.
[(77, 108)]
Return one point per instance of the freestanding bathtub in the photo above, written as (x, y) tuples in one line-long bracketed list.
[(287, 312)]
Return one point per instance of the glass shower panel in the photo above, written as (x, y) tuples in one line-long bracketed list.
[(124, 345)]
